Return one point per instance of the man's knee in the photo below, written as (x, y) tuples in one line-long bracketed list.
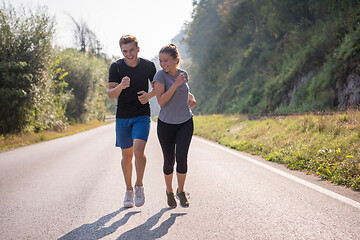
[(127, 155), (139, 153), (139, 148)]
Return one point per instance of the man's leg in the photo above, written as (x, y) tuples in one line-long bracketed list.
[(126, 165), (140, 160), (140, 134), (124, 141)]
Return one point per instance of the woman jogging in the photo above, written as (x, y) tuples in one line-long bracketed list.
[(175, 124)]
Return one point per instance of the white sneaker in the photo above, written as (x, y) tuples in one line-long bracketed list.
[(129, 199), (139, 196)]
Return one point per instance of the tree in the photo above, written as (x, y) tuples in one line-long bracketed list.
[(85, 39), (86, 79), (27, 99)]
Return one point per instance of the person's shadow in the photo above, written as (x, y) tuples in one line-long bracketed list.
[(96, 230), (144, 230)]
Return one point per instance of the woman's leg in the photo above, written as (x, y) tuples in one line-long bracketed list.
[(168, 182), (166, 138), (181, 181), (183, 140)]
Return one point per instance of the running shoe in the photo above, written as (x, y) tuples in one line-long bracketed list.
[(129, 199), (139, 196), (171, 200), (182, 198)]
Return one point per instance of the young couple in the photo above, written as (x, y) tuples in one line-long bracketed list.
[(128, 82)]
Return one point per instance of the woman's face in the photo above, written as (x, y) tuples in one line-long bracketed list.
[(167, 62)]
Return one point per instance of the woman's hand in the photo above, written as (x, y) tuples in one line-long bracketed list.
[(191, 101), (180, 80)]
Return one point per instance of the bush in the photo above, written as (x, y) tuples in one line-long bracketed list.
[(28, 100)]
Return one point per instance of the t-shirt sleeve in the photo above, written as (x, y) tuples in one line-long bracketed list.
[(153, 72), (186, 76), (159, 77), (113, 73)]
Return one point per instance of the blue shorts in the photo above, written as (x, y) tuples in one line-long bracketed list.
[(131, 128)]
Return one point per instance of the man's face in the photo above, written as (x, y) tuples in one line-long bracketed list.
[(130, 51)]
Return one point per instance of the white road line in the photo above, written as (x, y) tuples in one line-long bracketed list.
[(284, 174)]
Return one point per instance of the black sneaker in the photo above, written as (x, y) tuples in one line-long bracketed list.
[(182, 198), (171, 200)]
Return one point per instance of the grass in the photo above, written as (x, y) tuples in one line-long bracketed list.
[(325, 145), (18, 140)]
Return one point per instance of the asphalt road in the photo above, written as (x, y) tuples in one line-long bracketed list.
[(72, 188)]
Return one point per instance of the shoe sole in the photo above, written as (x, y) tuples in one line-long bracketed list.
[(137, 202), (128, 205), (139, 205), (180, 202)]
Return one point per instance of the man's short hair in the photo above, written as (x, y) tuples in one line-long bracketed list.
[(128, 39)]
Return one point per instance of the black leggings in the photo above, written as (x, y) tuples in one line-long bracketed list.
[(175, 140)]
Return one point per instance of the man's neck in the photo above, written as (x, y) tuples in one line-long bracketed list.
[(132, 63)]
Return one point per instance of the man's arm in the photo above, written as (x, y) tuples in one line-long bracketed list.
[(114, 88), (145, 96)]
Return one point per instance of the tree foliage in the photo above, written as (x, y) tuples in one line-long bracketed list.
[(86, 79), (26, 87), (253, 56), (41, 86)]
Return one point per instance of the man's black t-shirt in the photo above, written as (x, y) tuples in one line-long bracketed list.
[(128, 105)]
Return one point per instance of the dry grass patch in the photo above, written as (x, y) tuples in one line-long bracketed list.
[(19, 140)]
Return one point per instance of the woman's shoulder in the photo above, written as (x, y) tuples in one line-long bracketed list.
[(185, 73), (182, 70), (161, 72), (160, 75)]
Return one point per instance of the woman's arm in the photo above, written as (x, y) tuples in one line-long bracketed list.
[(162, 96), (191, 101)]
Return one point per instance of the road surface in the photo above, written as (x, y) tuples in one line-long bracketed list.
[(72, 188)]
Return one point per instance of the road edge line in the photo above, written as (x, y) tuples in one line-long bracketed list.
[(284, 174)]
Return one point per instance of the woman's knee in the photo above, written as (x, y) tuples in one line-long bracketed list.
[(181, 168), (168, 169), (169, 162)]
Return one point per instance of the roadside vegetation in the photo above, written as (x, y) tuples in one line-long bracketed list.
[(44, 87), (326, 145), (11, 141), (273, 56)]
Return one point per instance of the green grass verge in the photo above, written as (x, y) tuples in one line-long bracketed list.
[(324, 145), (18, 140)]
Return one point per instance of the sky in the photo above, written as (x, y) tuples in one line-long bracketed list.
[(153, 22)]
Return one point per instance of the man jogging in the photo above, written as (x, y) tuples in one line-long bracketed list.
[(128, 82)]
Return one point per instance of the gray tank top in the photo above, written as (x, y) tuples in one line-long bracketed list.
[(176, 110)]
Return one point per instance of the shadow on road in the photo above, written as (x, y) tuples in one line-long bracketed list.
[(145, 231), (97, 230)]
